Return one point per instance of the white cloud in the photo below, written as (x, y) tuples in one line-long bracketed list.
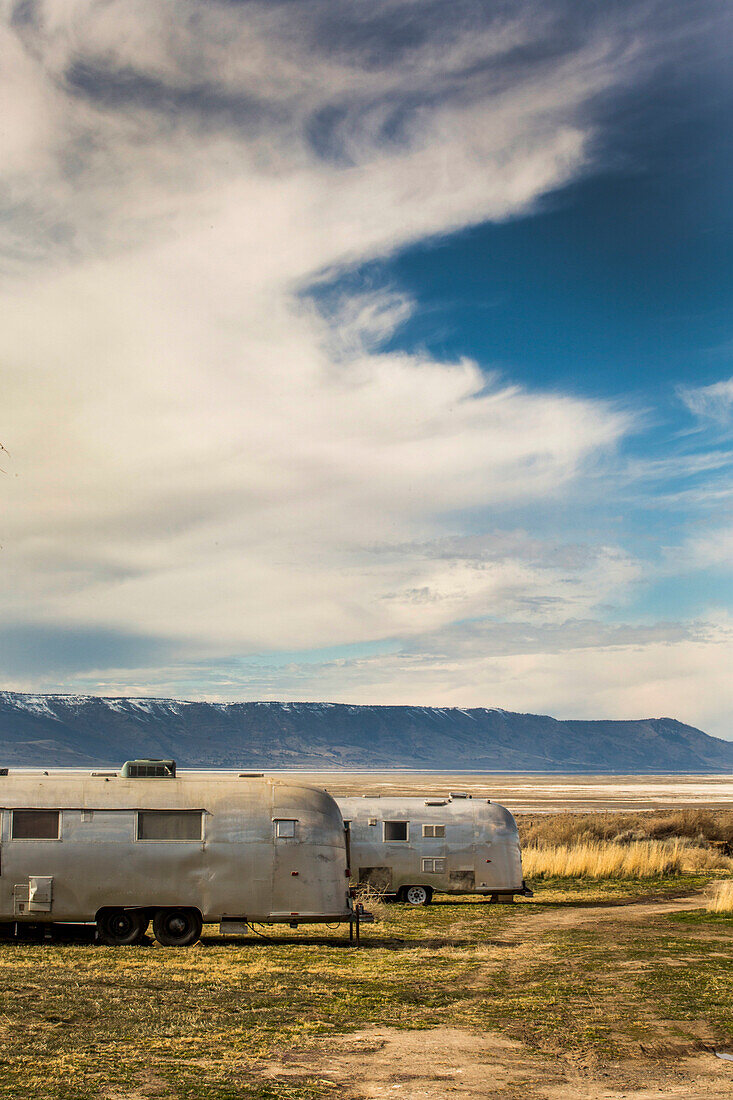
[(572, 669), (710, 403), (709, 548), (198, 453), (362, 321)]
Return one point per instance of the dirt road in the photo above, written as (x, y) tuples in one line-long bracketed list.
[(443, 1062)]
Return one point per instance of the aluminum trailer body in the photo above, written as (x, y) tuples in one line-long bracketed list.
[(249, 849), (411, 847)]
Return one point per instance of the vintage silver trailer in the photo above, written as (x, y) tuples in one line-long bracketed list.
[(410, 847), (144, 844)]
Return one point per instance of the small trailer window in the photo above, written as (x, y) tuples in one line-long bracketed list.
[(169, 824), (284, 827), (433, 830), (433, 866), (395, 830), (35, 825)]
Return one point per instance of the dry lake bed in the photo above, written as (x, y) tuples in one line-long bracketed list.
[(535, 793)]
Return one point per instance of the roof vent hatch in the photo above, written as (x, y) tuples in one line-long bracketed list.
[(148, 769)]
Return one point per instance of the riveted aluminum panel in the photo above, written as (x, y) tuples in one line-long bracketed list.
[(232, 871), (479, 845)]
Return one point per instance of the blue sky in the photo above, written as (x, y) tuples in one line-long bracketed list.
[(377, 354)]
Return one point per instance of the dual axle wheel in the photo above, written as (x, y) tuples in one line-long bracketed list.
[(171, 927)]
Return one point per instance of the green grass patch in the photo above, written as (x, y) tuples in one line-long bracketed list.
[(703, 917), (77, 1019), (622, 889)]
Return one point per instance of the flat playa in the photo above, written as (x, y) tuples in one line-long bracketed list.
[(535, 793)]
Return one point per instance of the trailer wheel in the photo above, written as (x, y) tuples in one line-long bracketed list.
[(417, 895), (121, 927), (177, 927)]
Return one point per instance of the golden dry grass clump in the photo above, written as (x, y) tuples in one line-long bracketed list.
[(721, 897), (374, 903), (639, 859), (703, 826)]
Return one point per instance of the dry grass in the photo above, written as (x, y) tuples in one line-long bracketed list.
[(721, 897), (252, 1019), (640, 859), (713, 828), (246, 1018), (374, 903), (626, 845)]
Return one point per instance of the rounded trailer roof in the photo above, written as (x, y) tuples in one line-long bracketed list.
[(428, 806), (72, 790)]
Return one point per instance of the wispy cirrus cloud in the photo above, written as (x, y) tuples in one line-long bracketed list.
[(710, 404), (198, 450), (203, 454)]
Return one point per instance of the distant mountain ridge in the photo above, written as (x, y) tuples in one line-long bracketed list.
[(83, 730)]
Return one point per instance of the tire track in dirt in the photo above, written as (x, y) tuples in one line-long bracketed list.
[(546, 917), (444, 1063)]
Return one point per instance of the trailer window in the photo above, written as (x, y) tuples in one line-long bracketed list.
[(169, 824), (284, 827), (395, 830), (35, 825), (433, 866), (433, 830)]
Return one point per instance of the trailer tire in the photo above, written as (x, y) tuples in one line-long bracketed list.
[(417, 895), (177, 927), (122, 927)]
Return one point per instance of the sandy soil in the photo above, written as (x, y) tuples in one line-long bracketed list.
[(447, 1062), (438, 1063), (556, 917)]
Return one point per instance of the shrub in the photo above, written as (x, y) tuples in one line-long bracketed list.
[(374, 902)]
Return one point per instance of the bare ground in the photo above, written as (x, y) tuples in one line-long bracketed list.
[(445, 1062), (559, 916), (449, 1062)]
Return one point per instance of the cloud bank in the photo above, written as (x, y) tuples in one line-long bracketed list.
[(202, 457)]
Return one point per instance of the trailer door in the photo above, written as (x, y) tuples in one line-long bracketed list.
[(295, 889)]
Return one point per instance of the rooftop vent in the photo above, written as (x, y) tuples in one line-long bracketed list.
[(458, 794), (148, 769), (436, 801)]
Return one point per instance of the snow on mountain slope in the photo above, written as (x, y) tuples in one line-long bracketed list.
[(53, 730)]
